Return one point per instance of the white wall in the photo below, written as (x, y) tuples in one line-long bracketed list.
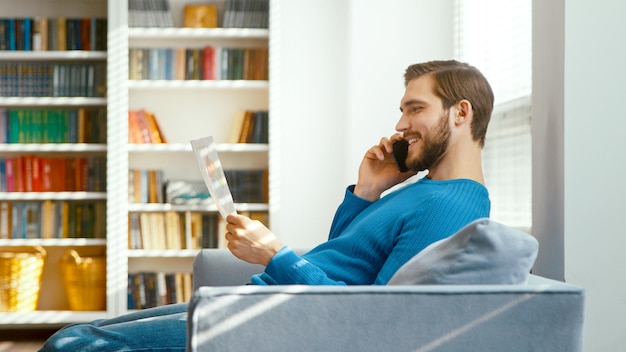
[(595, 165), (341, 72), (586, 127), (384, 38), (309, 51)]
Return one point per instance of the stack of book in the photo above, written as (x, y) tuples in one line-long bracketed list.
[(53, 33), (34, 173), (149, 13), (207, 63), (153, 289), (166, 230), (248, 186), (190, 192), (52, 219), (251, 126), (47, 79), (143, 127), (246, 14), (145, 186), (70, 125)]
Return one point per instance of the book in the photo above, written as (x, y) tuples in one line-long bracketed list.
[(246, 126), (61, 32), (237, 123), (5, 220), (134, 231), (174, 230), (143, 127), (254, 127), (259, 131), (200, 16), (156, 134), (187, 192)]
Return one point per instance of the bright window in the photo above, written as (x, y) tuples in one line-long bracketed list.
[(496, 37)]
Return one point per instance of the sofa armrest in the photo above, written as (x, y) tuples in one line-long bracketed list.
[(219, 267), (545, 317)]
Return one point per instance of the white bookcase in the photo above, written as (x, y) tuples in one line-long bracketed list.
[(185, 110), (53, 306)]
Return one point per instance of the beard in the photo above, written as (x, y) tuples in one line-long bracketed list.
[(434, 146)]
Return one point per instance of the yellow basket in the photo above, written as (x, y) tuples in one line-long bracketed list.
[(85, 281), (21, 269)]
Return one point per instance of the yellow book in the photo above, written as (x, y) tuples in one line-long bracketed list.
[(156, 134), (47, 219), (187, 287), (61, 33), (196, 231), (246, 127), (173, 232), (146, 231)]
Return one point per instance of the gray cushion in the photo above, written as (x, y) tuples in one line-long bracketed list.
[(483, 252)]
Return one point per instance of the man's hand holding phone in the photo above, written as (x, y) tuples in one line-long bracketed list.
[(379, 170)]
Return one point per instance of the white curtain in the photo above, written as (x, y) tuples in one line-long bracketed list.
[(495, 36)]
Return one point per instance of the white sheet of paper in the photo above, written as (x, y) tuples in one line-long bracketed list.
[(213, 174)]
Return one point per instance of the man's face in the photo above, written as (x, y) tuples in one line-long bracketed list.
[(425, 124)]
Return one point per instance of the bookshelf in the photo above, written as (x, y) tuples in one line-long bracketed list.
[(49, 135), (185, 109)]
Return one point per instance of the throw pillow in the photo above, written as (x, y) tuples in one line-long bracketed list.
[(483, 252)]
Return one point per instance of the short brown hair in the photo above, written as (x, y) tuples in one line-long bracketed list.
[(455, 81)]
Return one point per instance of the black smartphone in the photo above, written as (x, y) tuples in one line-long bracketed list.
[(400, 152)]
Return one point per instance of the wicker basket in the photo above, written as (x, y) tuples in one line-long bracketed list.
[(21, 269), (85, 281)]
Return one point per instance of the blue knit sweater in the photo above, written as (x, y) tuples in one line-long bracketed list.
[(370, 241)]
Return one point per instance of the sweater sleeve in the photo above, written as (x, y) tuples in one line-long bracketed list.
[(347, 211), (287, 268)]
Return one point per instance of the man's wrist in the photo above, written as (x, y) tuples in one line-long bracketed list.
[(368, 193)]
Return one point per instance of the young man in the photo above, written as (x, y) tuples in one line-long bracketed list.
[(444, 116)]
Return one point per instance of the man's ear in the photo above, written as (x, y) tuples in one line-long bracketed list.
[(464, 112)]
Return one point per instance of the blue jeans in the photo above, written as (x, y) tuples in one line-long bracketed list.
[(156, 329)]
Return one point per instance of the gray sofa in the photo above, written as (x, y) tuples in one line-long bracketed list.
[(540, 315)]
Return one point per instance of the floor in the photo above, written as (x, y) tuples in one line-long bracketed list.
[(23, 340), (20, 346)]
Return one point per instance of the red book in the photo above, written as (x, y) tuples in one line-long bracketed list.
[(36, 177), (10, 174), (70, 174), (18, 174), (85, 34), (59, 171), (27, 161), (208, 66), (46, 175), (81, 167)]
